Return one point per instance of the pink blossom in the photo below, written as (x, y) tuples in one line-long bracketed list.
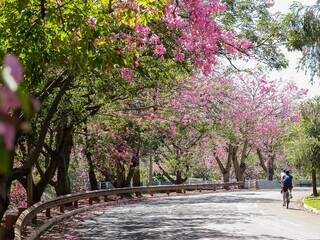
[(159, 50), (244, 44), (173, 18), (207, 69), (12, 75), (8, 132), (200, 32), (154, 39), (178, 55), (92, 22), (8, 99), (142, 29), (127, 73), (18, 195), (12, 72)]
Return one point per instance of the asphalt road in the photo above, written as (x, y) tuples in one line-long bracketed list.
[(227, 216)]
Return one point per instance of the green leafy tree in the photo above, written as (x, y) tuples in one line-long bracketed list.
[(304, 141), (302, 25)]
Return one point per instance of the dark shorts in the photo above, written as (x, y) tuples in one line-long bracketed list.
[(286, 188)]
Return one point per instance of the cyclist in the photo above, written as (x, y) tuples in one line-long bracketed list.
[(282, 175), (287, 185)]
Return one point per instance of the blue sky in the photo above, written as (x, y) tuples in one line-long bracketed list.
[(291, 73)]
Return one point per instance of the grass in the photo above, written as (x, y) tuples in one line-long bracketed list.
[(313, 202)]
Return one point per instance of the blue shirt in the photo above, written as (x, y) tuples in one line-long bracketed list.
[(287, 180)]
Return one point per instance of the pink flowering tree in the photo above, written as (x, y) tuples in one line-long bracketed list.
[(187, 32), (204, 164), (115, 152), (258, 114), (181, 122), (83, 57)]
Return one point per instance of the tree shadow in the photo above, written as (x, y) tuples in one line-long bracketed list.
[(232, 199), (175, 218), (218, 217)]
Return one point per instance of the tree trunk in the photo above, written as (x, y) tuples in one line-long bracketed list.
[(178, 177), (226, 179), (121, 180), (262, 161), (270, 171), (92, 176), (150, 181), (4, 196), (267, 165), (63, 186), (5, 185), (30, 189), (236, 165), (226, 176), (314, 182), (240, 167), (37, 194), (136, 178), (225, 170), (243, 168), (39, 188)]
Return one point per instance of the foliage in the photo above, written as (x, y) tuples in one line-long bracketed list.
[(121, 82), (303, 28), (303, 140), (252, 20)]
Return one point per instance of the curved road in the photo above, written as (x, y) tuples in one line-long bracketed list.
[(227, 216)]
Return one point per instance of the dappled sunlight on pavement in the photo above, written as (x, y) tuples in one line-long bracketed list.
[(239, 215)]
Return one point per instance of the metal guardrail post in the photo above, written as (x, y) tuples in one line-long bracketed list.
[(48, 213), (62, 208)]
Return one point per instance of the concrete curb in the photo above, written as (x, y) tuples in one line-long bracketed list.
[(310, 209)]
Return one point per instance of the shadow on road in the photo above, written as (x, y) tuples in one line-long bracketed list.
[(225, 199), (207, 216), (176, 218)]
